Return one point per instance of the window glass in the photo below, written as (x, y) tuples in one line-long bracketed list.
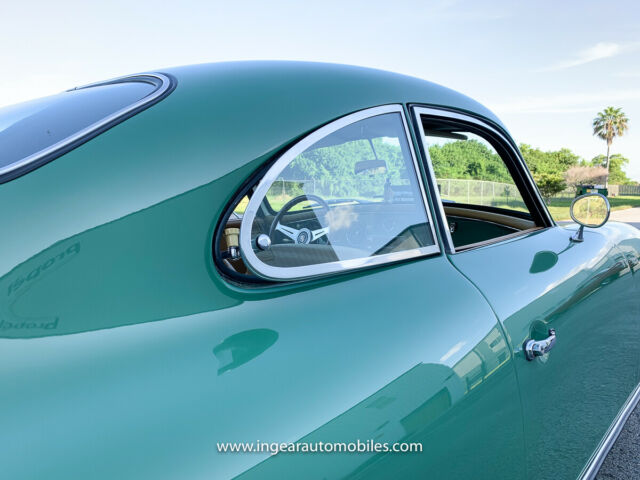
[(241, 206), (468, 170), (30, 127), (352, 195), (480, 198)]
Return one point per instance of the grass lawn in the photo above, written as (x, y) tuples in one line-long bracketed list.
[(559, 207)]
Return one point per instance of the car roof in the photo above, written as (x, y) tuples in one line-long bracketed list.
[(310, 85), (224, 116)]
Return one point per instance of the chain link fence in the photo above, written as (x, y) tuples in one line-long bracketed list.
[(474, 192), (614, 191), (481, 192), (623, 190)]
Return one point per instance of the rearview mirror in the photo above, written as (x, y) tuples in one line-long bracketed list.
[(370, 167), (591, 210)]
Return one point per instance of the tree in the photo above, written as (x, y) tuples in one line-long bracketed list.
[(550, 184), (608, 124), (468, 159), (556, 162), (585, 174), (563, 159), (548, 168), (617, 176)]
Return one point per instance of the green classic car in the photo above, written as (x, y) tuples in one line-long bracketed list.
[(209, 265)]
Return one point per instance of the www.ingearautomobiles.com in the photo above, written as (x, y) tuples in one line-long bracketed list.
[(368, 446)]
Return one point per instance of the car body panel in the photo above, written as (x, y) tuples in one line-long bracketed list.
[(141, 374), (585, 291)]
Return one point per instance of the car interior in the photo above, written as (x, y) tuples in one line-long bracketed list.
[(470, 227), (303, 219), (370, 225), (460, 156)]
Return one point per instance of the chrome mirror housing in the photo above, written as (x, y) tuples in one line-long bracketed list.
[(591, 210)]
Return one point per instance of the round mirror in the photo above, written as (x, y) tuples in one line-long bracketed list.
[(590, 210)]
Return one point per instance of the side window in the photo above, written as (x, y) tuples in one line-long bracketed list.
[(241, 206), (347, 196), (480, 198), (47, 126)]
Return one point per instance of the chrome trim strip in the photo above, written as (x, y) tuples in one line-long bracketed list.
[(439, 207), (164, 83), (595, 462), (436, 112), (290, 273)]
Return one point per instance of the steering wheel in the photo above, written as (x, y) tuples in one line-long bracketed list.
[(303, 235)]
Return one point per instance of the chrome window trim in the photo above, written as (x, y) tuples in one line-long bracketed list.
[(595, 462), (433, 184), (163, 86), (436, 112), (294, 273)]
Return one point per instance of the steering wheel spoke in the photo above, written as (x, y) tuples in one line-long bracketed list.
[(289, 232), (319, 233), (302, 235)]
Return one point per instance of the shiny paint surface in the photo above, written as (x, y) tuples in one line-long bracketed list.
[(586, 292), (138, 372), (124, 354)]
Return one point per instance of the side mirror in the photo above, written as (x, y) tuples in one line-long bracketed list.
[(590, 210)]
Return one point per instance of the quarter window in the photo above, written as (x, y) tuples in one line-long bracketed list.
[(347, 196)]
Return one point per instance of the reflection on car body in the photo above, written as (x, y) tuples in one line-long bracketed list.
[(264, 251)]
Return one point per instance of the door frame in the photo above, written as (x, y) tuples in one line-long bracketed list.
[(514, 162)]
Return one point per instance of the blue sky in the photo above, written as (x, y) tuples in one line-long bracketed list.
[(546, 68)]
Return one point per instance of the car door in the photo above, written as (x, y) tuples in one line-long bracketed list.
[(538, 279)]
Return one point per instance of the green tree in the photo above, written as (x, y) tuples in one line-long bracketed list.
[(550, 184), (617, 176), (548, 168), (608, 124), (550, 162), (563, 159), (468, 159), (535, 158)]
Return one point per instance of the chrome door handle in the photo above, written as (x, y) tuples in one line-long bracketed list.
[(533, 349)]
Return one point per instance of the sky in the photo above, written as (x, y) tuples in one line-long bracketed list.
[(545, 67)]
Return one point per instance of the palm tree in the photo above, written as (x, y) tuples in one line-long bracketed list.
[(608, 124)]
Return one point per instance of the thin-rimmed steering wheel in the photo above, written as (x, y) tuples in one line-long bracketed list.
[(303, 235)]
